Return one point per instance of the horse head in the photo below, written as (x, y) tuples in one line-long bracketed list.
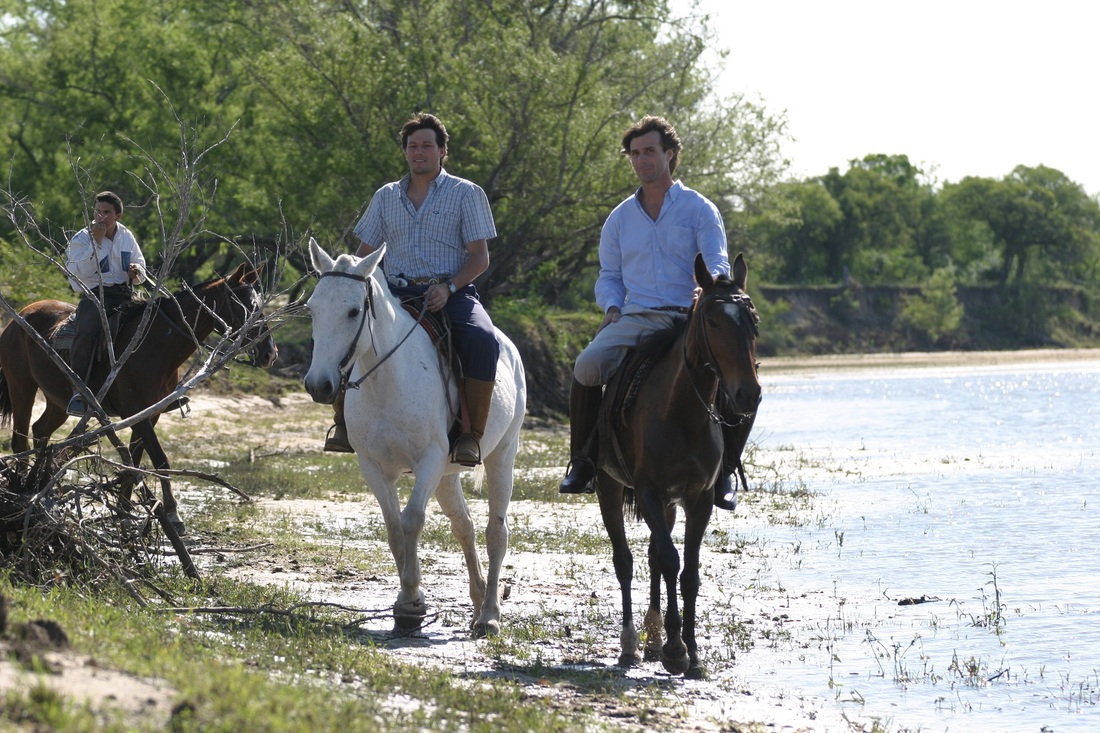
[(340, 307), (238, 306), (725, 337)]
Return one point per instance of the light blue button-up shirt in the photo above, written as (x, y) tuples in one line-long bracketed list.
[(652, 263)]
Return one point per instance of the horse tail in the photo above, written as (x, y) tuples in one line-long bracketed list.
[(5, 400)]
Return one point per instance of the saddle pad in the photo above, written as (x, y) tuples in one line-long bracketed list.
[(62, 336)]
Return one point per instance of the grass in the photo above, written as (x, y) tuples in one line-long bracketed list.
[(317, 669)]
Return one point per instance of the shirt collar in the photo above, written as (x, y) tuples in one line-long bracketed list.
[(407, 179)]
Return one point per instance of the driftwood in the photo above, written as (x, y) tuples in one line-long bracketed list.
[(61, 521)]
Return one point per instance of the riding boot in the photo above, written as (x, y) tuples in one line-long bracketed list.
[(479, 398), (337, 439), (734, 438), (584, 412), (80, 359)]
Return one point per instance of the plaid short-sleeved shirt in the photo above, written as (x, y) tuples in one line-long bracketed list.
[(429, 241)]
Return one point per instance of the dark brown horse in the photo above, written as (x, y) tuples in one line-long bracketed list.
[(179, 323), (661, 434)]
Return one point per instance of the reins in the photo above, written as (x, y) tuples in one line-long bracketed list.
[(710, 406), (346, 366)]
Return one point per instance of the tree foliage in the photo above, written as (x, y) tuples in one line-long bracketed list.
[(536, 95)]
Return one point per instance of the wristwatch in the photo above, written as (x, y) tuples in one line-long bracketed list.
[(450, 286)]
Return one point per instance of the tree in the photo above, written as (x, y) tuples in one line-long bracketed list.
[(1034, 211), (881, 199), (536, 96)]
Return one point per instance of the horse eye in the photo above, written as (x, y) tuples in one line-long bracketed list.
[(353, 313)]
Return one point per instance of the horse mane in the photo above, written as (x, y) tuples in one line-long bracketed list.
[(656, 344), (132, 310)]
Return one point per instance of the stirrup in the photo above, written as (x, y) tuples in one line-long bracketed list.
[(580, 477), (336, 440), (725, 493), (465, 454), (76, 406)]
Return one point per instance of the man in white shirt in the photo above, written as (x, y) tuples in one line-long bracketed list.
[(104, 263), (647, 252)]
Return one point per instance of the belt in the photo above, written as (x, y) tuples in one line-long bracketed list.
[(434, 280), (674, 309)]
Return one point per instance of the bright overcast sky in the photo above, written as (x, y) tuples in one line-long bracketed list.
[(963, 87)]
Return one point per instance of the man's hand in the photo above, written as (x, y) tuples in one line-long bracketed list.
[(134, 272), (611, 316), (436, 296), (98, 230)]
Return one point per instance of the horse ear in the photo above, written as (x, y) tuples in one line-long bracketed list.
[(702, 274), (740, 272), (238, 275), (368, 264), (318, 257)]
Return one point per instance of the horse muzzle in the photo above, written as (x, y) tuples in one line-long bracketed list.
[(324, 391)]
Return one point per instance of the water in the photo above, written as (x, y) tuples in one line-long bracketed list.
[(975, 488)]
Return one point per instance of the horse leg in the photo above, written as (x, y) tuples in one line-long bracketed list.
[(47, 423), (665, 560), (409, 609), (22, 405), (498, 471), (453, 504), (610, 494), (144, 437), (695, 525), (654, 631)]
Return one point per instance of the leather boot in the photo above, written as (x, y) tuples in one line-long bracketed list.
[(80, 360), (337, 439), (584, 412), (734, 438), (479, 398)]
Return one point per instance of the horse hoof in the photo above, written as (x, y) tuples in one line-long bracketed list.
[(674, 658), (403, 622), (177, 524), (483, 629), (629, 659), (698, 672), (652, 654)]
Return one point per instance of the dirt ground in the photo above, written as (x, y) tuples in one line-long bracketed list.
[(573, 597)]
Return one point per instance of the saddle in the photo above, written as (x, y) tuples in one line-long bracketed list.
[(61, 338), (438, 326), (620, 396)]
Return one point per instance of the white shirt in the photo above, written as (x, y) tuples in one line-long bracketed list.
[(108, 263)]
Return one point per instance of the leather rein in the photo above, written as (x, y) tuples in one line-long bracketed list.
[(346, 365)]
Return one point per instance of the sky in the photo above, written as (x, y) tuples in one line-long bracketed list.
[(964, 88)]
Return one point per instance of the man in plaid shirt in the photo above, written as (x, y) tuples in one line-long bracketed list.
[(436, 227)]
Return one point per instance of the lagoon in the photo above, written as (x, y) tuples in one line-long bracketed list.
[(970, 496)]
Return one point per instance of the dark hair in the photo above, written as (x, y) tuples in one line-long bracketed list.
[(669, 139), (112, 199), (425, 121)]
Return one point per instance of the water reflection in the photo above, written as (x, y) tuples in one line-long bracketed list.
[(976, 487)]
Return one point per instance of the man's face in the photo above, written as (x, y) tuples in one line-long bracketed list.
[(423, 154), (650, 162), (105, 214)]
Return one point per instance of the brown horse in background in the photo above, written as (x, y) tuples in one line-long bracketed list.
[(178, 325), (661, 434)]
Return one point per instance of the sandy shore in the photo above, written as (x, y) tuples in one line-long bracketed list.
[(916, 359)]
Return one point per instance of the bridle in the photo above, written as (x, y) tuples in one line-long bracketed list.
[(742, 301), (346, 364)]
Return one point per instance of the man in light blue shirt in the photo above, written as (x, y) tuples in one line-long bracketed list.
[(647, 250)]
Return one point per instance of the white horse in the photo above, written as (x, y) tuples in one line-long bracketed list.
[(397, 421)]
